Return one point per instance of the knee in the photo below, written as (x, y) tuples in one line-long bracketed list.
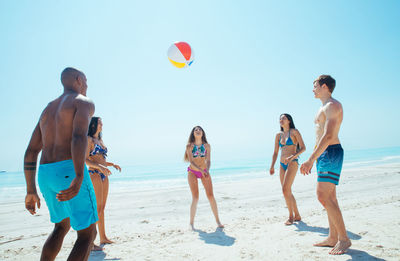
[(322, 197), (287, 191), (92, 232), (195, 198), (210, 196), (61, 229)]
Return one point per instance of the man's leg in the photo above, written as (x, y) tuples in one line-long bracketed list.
[(54, 241), (327, 196), (83, 243), (323, 195)]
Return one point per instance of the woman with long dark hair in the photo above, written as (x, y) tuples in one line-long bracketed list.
[(98, 170), (198, 154), (291, 143)]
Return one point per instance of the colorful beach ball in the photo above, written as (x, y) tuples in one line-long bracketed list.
[(180, 54)]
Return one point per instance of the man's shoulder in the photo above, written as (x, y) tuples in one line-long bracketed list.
[(333, 108), (333, 105), (82, 101)]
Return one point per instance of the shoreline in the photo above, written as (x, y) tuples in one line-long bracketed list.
[(252, 210)]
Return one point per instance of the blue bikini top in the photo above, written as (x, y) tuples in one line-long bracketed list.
[(289, 141), (98, 150), (199, 151)]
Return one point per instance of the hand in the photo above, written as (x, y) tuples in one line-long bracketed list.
[(31, 200), (271, 171), (117, 167), (306, 167), (72, 191), (205, 173), (289, 159), (104, 170)]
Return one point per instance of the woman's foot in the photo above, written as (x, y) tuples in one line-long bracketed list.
[(289, 222), (220, 225), (97, 248), (341, 247), (297, 218), (106, 241), (329, 242)]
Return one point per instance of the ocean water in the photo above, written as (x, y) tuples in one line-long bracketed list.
[(155, 176)]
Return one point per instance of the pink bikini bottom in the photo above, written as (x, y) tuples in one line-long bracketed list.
[(195, 172)]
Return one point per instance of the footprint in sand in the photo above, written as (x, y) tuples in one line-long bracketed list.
[(145, 222)]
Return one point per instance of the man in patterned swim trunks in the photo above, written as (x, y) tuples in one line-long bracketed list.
[(328, 153), (61, 135)]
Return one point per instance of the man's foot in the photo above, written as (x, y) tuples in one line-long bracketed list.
[(192, 226), (341, 247), (289, 222), (297, 218), (329, 242), (106, 241), (97, 248)]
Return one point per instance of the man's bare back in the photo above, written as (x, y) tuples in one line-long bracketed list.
[(56, 126)]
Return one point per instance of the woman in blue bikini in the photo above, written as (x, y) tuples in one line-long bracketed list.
[(291, 143), (198, 155), (98, 170)]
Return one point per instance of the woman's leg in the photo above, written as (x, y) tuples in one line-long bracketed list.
[(102, 223), (207, 183), (194, 188), (288, 180), (98, 190)]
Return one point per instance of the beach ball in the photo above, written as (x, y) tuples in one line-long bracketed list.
[(180, 54)]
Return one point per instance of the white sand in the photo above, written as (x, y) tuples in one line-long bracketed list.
[(153, 225)]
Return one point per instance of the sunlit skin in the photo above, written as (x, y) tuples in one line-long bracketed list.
[(98, 162), (60, 140), (328, 121), (201, 164), (288, 155)]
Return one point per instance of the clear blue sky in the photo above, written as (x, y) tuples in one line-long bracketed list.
[(253, 61)]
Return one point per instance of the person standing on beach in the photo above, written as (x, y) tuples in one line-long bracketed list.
[(61, 135), (289, 139), (96, 160), (198, 154), (328, 153)]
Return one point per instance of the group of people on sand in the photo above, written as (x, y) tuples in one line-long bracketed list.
[(69, 136)]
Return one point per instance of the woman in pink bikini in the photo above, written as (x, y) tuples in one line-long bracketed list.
[(198, 155)]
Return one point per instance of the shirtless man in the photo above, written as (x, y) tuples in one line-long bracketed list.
[(329, 155), (61, 135)]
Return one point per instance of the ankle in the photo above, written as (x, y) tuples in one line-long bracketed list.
[(344, 238)]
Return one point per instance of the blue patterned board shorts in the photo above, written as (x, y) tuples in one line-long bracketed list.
[(329, 164)]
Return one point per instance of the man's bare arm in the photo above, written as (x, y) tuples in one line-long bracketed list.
[(30, 159), (30, 162)]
